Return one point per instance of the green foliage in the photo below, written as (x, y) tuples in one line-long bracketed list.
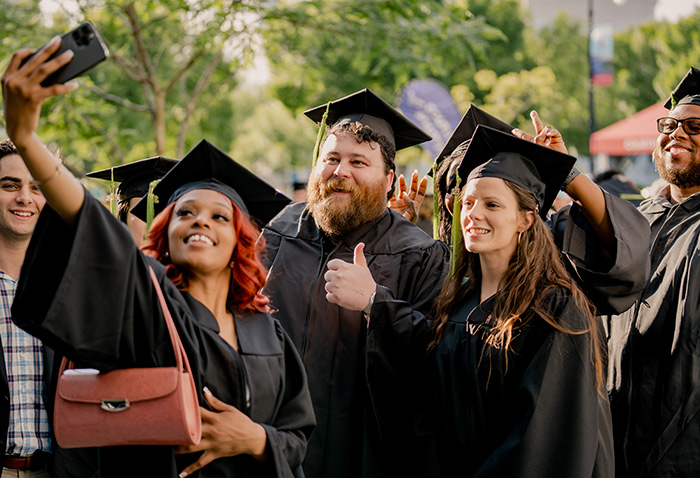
[(172, 76), (322, 49)]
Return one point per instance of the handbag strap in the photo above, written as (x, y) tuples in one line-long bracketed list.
[(181, 359), (180, 355)]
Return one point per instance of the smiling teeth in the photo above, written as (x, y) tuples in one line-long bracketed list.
[(199, 238), (477, 230), (23, 214)]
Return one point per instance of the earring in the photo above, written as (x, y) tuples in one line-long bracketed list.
[(231, 264), (520, 236), (167, 254)]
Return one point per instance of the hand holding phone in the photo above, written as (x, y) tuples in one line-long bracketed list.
[(88, 50)]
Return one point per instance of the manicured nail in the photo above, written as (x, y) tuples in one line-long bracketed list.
[(182, 475), (207, 391)]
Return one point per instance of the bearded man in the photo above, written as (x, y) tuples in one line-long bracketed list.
[(344, 227), (655, 346)]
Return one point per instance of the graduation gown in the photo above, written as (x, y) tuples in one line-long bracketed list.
[(350, 440), (538, 414), (401, 343), (654, 351), (85, 290)]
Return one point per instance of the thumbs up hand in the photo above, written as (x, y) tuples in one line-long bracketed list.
[(350, 285)]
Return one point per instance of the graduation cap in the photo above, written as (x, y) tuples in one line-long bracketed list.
[(369, 109), (207, 167), (459, 139), (687, 92), (538, 169), (466, 127), (135, 177)]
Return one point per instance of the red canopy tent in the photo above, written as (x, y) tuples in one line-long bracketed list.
[(634, 135)]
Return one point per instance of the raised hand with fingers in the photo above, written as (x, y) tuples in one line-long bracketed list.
[(225, 432), (350, 285), (407, 203), (545, 135), (22, 92)]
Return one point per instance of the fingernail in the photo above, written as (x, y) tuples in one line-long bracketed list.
[(72, 85), (54, 40), (68, 54), (182, 475), (207, 391)]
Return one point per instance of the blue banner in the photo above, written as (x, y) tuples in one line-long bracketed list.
[(430, 106)]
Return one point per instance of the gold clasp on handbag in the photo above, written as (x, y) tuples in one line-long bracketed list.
[(115, 405)]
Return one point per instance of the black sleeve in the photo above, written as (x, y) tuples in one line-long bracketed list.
[(614, 284), (86, 292)]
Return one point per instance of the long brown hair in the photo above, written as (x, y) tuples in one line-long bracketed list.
[(534, 270), (247, 272)]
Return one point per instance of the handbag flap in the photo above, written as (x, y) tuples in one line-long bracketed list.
[(133, 384)]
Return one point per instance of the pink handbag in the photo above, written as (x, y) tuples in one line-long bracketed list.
[(135, 406)]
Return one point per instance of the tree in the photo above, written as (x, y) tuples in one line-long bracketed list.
[(323, 49)]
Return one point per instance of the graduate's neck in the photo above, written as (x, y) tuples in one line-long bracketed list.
[(493, 268), (211, 291), (12, 254), (679, 194)]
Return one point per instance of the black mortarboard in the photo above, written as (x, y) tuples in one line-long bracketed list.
[(538, 169), (687, 92), (367, 108), (207, 167), (466, 127), (135, 177)]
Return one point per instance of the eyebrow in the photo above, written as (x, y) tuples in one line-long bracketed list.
[(215, 203), (11, 179)]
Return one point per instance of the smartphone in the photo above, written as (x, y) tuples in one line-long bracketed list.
[(88, 49)]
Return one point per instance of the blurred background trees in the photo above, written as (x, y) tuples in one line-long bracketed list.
[(239, 72)]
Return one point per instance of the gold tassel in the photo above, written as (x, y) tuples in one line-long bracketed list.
[(319, 135), (151, 201)]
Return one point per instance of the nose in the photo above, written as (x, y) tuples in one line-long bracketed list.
[(25, 195), (679, 132), (201, 220), (474, 212), (342, 170)]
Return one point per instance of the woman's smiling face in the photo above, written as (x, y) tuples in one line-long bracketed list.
[(201, 237), (491, 218)]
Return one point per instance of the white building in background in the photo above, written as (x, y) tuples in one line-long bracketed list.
[(621, 14)]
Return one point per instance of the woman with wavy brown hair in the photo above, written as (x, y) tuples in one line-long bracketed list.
[(518, 364), (515, 368)]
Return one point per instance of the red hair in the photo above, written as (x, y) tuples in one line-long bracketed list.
[(247, 274)]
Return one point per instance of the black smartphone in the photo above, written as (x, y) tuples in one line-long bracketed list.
[(88, 49)]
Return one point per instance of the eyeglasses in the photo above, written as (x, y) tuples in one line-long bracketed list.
[(668, 125)]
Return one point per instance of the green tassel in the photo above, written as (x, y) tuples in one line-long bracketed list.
[(436, 205), (112, 197), (151, 201), (319, 135), (456, 238)]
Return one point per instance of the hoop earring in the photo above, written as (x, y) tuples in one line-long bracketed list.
[(520, 236)]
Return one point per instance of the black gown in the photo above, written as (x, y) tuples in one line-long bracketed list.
[(351, 439), (86, 292), (544, 417), (655, 359)]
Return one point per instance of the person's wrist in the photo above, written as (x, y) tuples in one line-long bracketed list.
[(368, 307), (570, 177), (258, 445)]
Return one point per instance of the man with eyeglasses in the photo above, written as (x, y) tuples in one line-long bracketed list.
[(655, 346)]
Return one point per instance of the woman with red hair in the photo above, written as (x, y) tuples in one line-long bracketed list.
[(86, 292)]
